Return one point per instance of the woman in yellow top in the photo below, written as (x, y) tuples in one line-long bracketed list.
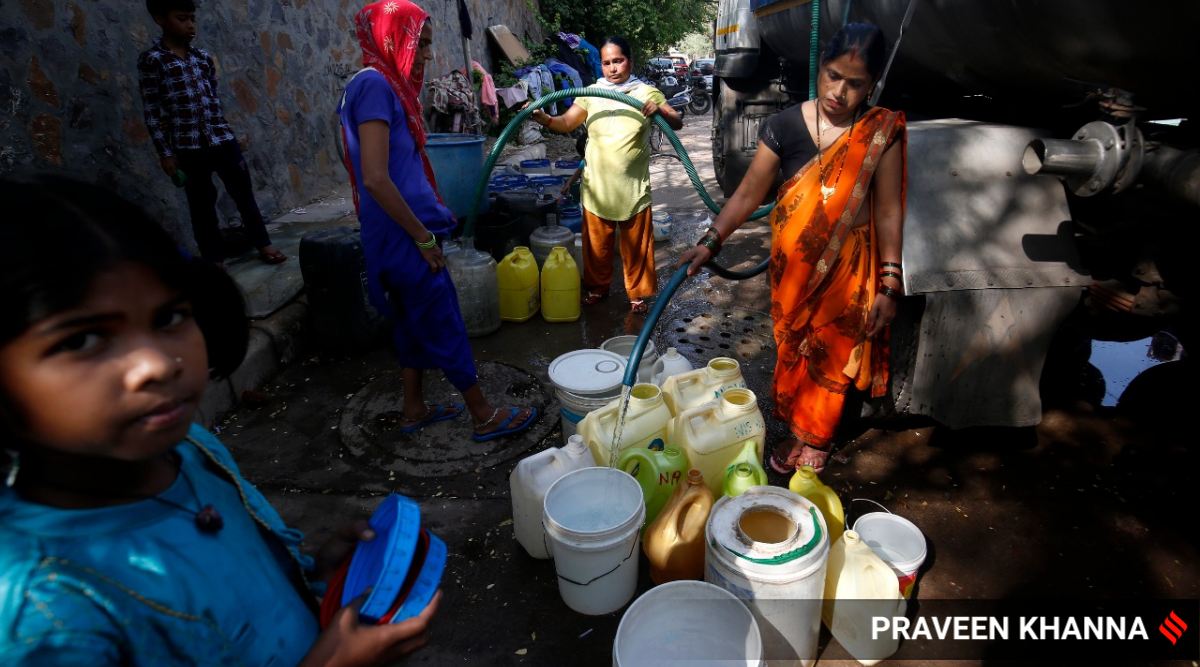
[(616, 180), (835, 241)]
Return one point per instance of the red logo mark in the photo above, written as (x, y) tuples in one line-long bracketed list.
[(1173, 627)]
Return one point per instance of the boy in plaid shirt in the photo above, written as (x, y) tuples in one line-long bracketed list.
[(190, 133)]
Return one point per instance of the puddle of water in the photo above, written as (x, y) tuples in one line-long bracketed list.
[(1120, 363)]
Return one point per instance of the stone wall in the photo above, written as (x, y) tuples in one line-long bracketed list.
[(69, 100)]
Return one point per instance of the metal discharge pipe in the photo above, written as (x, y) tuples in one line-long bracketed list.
[(1062, 157)]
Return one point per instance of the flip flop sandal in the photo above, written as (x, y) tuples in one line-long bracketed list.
[(639, 307), (506, 427), (593, 298), (273, 257), (434, 412)]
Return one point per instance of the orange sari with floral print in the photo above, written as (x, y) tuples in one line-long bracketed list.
[(824, 276)]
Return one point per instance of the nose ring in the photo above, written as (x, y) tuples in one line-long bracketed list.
[(179, 360)]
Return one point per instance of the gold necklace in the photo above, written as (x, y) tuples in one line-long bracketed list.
[(828, 190)]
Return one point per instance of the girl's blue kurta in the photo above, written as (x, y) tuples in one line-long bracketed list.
[(139, 584), (428, 327)]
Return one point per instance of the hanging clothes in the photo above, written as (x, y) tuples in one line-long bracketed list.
[(568, 55), (565, 77), (592, 56), (487, 91), (548, 87)]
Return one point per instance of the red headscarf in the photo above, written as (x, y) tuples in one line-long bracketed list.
[(389, 33)]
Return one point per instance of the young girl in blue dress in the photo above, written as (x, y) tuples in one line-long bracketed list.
[(127, 534)]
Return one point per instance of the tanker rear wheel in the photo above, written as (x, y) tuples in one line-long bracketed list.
[(739, 107)]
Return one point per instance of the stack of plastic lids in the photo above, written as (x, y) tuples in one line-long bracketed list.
[(535, 167), (402, 567), (547, 182), (565, 167), (571, 217)]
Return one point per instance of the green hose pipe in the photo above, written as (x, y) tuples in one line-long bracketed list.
[(494, 155), (660, 304)]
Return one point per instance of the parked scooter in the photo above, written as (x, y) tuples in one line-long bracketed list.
[(701, 98)]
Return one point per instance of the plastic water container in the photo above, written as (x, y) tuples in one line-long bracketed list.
[(646, 422), (671, 363), (547, 238), (868, 587), (687, 390), (520, 290), (584, 380), (577, 251), (623, 345), (565, 168), (768, 547), (550, 184), (475, 284), (593, 518), (528, 483), (687, 623), (560, 287), (714, 434), (674, 542), (571, 217), (658, 471), (898, 542), (806, 483), (457, 161), (331, 262), (535, 167), (744, 471), (661, 221)]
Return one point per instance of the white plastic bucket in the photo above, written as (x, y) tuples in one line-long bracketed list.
[(622, 346), (584, 380), (593, 519), (769, 547), (897, 541), (687, 622), (574, 407)]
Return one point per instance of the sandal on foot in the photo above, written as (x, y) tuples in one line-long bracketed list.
[(592, 298), (271, 256), (434, 412), (639, 307), (505, 427), (795, 458), (812, 456)]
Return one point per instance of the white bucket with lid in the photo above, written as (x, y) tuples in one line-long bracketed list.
[(897, 541), (687, 622), (769, 547), (623, 347), (585, 380), (593, 519)]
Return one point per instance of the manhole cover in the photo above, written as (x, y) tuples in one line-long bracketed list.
[(371, 420)]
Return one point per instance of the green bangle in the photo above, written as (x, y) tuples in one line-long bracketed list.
[(427, 245)]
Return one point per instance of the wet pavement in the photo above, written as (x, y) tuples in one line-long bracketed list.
[(1091, 503)]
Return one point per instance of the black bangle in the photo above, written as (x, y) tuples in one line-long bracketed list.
[(888, 292), (712, 241), (892, 265), (890, 274)]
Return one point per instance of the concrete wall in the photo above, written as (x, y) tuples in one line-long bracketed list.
[(69, 99)]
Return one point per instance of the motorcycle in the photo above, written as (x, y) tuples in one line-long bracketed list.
[(679, 102), (701, 99)]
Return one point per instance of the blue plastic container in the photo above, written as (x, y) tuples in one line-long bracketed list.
[(457, 161), (531, 167), (571, 217), (382, 564), (566, 167), (547, 182)]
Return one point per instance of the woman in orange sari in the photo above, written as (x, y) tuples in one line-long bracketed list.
[(835, 242)]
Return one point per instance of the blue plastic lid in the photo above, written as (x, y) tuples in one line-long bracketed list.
[(566, 164), (426, 585), (535, 163), (383, 563), (547, 180)]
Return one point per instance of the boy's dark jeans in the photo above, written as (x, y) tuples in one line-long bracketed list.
[(227, 162)]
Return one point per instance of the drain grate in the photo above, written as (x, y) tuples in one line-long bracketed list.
[(700, 332), (370, 424)]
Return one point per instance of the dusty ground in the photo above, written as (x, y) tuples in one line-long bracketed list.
[(1088, 504)]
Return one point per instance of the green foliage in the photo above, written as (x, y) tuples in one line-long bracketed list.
[(649, 25), (697, 44)]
